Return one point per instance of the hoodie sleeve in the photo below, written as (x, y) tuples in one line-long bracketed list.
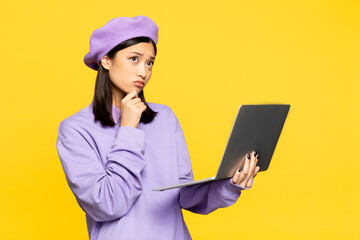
[(104, 193), (206, 197)]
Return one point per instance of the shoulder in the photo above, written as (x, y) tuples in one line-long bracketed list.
[(75, 123), (158, 107), (165, 114), (162, 109)]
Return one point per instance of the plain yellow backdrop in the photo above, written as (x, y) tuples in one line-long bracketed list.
[(212, 57)]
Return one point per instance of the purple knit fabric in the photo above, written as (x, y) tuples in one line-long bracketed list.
[(112, 172), (116, 31)]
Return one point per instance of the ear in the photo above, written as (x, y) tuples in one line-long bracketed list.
[(106, 62)]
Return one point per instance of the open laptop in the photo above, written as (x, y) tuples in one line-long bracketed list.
[(256, 128)]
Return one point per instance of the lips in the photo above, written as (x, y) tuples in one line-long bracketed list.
[(139, 83)]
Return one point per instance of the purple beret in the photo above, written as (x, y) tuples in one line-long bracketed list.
[(115, 31)]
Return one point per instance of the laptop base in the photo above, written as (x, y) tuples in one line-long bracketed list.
[(186, 184)]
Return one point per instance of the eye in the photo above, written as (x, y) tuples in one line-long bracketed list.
[(133, 58), (151, 64)]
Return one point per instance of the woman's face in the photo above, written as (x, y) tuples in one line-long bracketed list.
[(131, 68)]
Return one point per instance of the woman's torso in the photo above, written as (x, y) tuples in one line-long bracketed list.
[(154, 215)]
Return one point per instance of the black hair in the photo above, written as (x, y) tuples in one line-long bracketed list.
[(102, 102)]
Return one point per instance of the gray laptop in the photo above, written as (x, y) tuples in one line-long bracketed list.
[(256, 128)]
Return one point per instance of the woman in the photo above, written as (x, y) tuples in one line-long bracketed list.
[(119, 148)]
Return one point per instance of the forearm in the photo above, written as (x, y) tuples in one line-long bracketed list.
[(207, 197)]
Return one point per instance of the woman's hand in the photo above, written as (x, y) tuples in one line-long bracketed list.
[(245, 177), (131, 109)]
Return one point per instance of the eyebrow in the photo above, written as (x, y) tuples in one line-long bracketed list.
[(141, 54)]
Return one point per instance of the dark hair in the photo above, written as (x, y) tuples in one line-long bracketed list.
[(102, 102)]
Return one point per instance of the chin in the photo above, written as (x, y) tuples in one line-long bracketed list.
[(138, 90)]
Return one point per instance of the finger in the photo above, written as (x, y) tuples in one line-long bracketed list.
[(139, 105), (251, 166), (244, 172), (257, 169), (253, 175), (257, 156), (250, 182), (141, 108), (238, 172), (129, 96), (133, 101), (236, 176)]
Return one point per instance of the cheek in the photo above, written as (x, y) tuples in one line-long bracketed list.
[(148, 76), (117, 74)]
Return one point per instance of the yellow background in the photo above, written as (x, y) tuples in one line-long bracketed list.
[(212, 56)]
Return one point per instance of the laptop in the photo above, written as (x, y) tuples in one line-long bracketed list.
[(256, 128)]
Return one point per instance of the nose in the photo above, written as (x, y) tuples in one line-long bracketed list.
[(141, 72)]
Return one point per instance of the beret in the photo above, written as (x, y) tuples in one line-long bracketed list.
[(115, 31)]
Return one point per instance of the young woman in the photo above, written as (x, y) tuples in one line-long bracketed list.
[(115, 151)]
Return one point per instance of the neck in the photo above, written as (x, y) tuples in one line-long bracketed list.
[(117, 96)]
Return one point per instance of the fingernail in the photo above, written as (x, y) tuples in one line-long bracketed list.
[(255, 154), (258, 156), (248, 156), (239, 170)]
